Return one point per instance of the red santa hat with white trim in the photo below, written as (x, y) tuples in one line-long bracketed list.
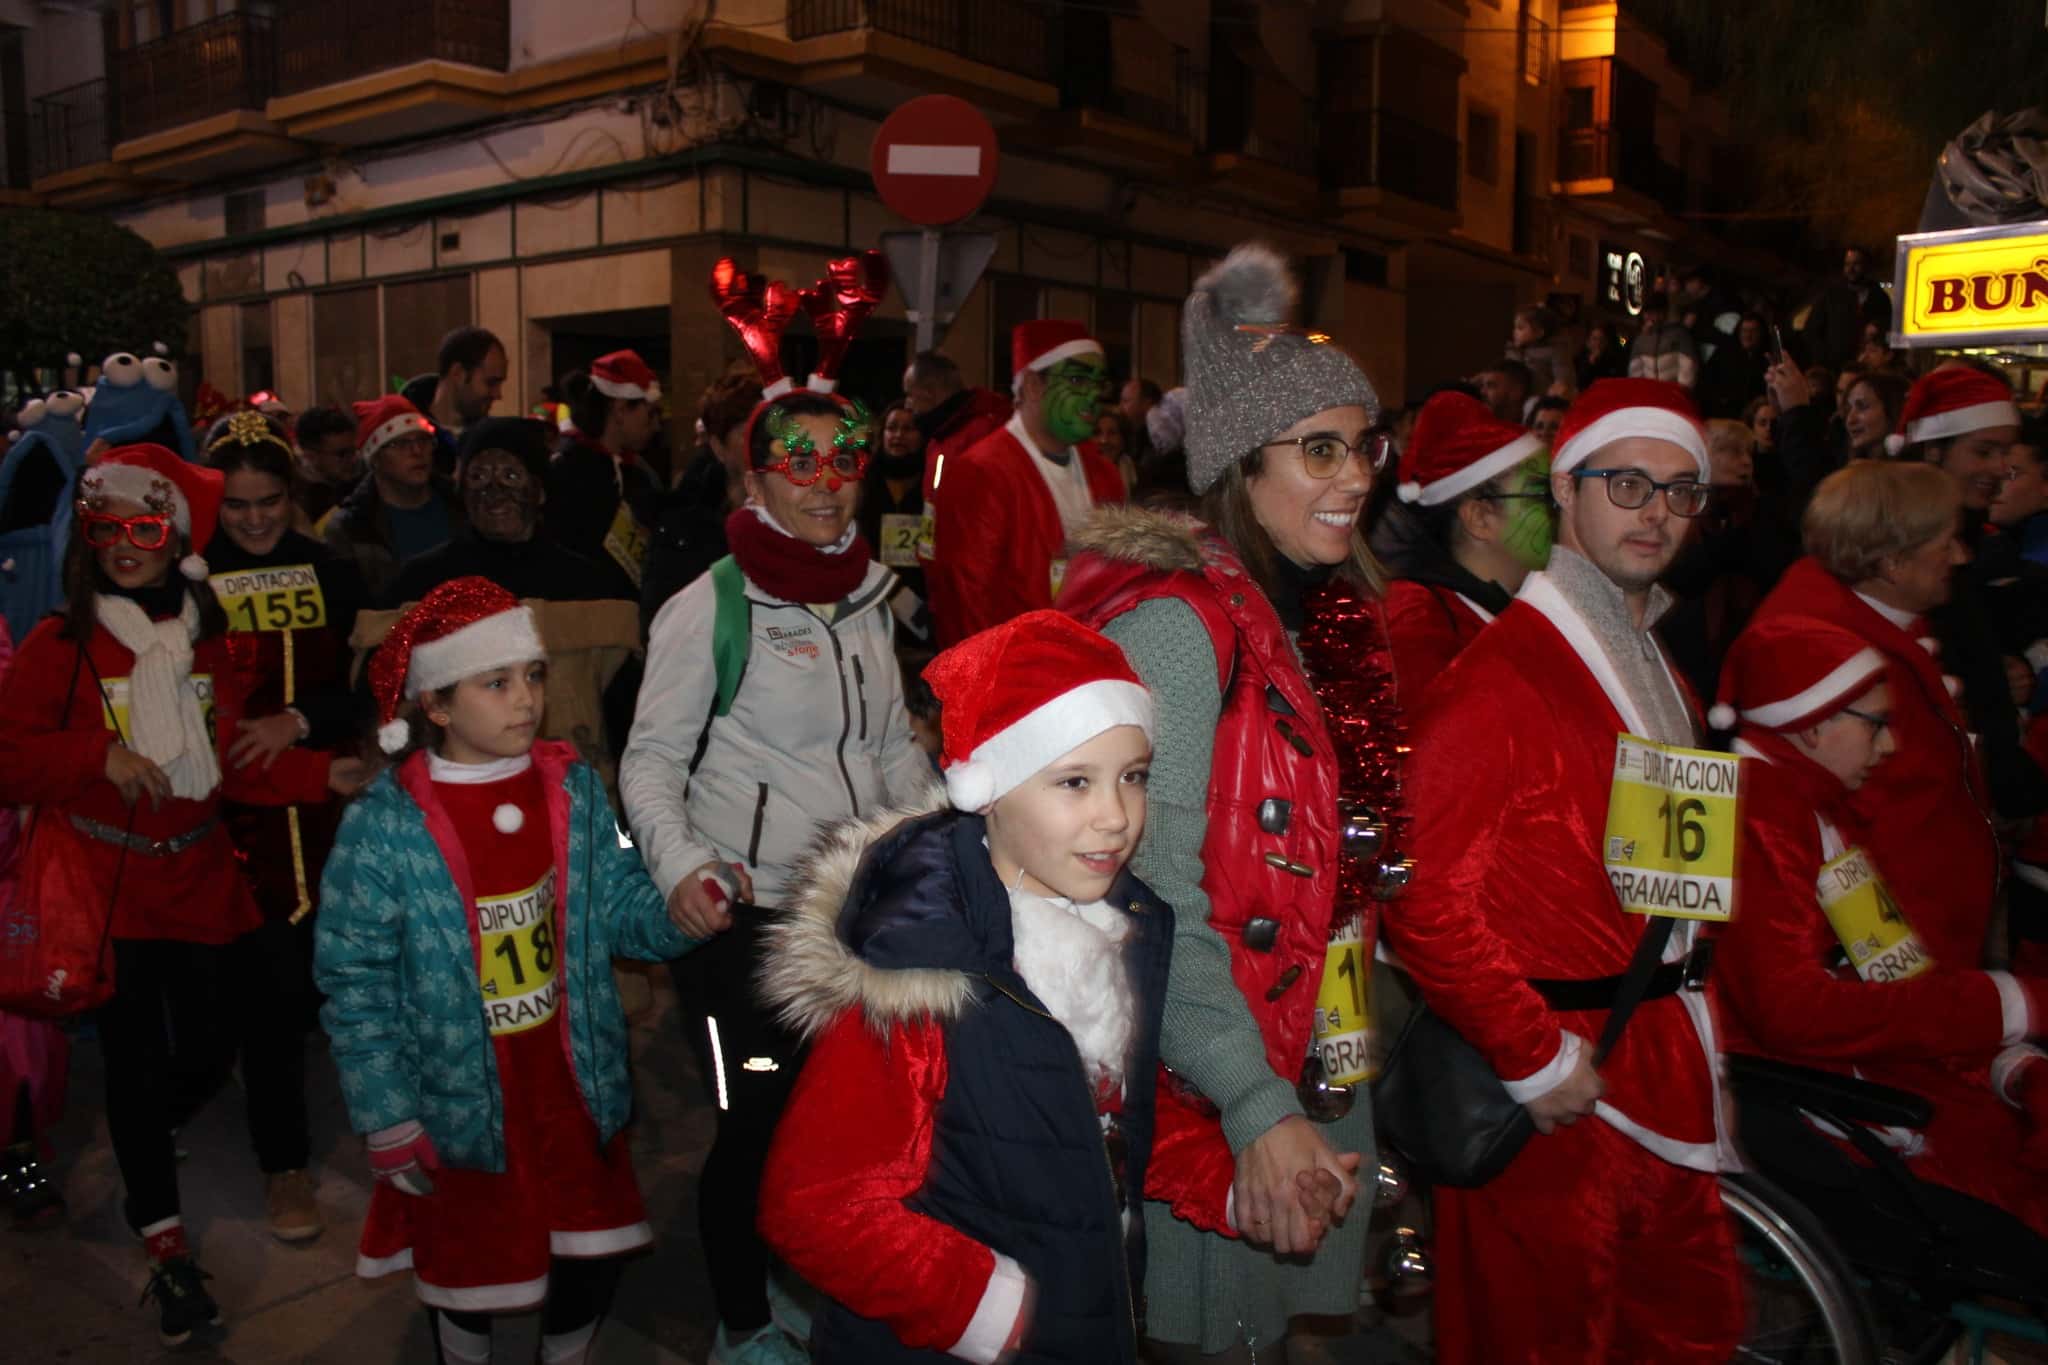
[(1789, 673), (1952, 401), (1044, 342), (464, 627), (1020, 695), (623, 374), (158, 479), (1613, 410), (1457, 445), (380, 421)]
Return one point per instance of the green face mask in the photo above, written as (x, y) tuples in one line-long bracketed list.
[(1532, 522), (1073, 396)]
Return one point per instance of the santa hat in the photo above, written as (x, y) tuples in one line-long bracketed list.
[(623, 374), (383, 420), (1951, 402), (464, 627), (1457, 445), (164, 483), (1016, 697), (1788, 673), (1045, 342), (1613, 410)]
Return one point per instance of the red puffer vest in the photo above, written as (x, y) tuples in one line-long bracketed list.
[(1271, 746)]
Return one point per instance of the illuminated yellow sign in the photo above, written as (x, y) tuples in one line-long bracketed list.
[(1975, 285)]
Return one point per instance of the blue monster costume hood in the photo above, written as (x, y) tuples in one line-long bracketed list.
[(136, 400), (32, 539)]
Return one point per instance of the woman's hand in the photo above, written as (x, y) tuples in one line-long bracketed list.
[(345, 776), (263, 739), (135, 775), (698, 906), (1273, 1206)]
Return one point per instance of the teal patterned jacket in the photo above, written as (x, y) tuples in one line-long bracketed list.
[(394, 952)]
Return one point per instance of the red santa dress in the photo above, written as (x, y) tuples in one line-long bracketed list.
[(1428, 625), (482, 1241)]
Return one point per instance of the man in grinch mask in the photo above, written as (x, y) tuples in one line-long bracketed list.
[(1004, 509), (1474, 519)]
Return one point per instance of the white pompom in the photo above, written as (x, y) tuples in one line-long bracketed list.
[(159, 347), (508, 819), (75, 360), (1721, 716), (392, 736), (1409, 492), (971, 786), (193, 567), (1894, 443)]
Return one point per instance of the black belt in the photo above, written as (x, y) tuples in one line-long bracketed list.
[(1597, 992)]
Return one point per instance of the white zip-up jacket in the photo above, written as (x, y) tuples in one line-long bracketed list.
[(817, 733)]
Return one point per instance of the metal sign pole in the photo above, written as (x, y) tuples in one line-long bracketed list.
[(928, 291)]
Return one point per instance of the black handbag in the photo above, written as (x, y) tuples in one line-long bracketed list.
[(1439, 1104)]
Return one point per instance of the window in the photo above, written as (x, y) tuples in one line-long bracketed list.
[(416, 316), (244, 212), (1365, 267), (1578, 106), (1532, 37), (1012, 301), (1578, 255), (1482, 144), (345, 347), (259, 369)]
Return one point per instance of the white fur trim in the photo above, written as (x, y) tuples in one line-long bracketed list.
[(392, 735), (508, 819), (2006, 1065), (778, 388), (1078, 346), (1005, 759), (1659, 424), (193, 567), (1894, 443), (2032, 875), (1067, 954), (1551, 1075), (135, 483), (510, 637), (1849, 679), (1937, 426), (1479, 471), (392, 429), (612, 388), (818, 383), (995, 1317), (1721, 716), (2013, 1014), (1931, 645), (1953, 684)]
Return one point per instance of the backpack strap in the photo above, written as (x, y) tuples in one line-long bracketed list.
[(732, 631)]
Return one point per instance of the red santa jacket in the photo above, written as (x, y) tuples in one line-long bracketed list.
[(997, 532), (1512, 886), (1427, 626), (56, 761), (978, 413), (1927, 810)]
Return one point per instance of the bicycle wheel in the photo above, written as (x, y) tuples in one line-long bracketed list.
[(1805, 1306)]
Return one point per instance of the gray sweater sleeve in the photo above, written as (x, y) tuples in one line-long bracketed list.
[(1208, 1036)]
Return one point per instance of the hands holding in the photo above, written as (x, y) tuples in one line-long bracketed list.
[(699, 906), (1291, 1187)]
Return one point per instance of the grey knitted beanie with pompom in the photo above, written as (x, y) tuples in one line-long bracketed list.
[(1247, 380)]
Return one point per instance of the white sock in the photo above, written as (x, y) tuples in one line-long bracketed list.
[(460, 1346), (569, 1348)]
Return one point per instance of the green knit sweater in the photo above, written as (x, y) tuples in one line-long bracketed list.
[(1202, 1289)]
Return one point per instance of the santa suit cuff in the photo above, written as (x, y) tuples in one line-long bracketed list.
[(995, 1317), (1539, 1083), (2005, 1069), (2015, 1012)]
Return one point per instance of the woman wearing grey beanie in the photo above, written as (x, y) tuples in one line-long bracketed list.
[(1225, 619)]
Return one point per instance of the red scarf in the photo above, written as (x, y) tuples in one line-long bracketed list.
[(794, 570)]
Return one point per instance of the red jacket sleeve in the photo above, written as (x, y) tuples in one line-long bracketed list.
[(983, 588), (43, 756), (295, 777), (1191, 1168), (1770, 972), (854, 1143)]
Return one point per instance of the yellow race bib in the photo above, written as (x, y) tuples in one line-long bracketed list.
[(114, 709), (927, 534), (1873, 931), (1673, 821), (1343, 1013), (900, 534), (626, 542), (516, 934), (287, 597)]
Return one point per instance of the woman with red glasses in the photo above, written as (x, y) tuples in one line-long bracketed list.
[(116, 725), (772, 707)]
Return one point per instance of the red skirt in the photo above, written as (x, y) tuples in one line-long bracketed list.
[(481, 1242)]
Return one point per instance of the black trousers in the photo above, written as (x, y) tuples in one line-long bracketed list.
[(271, 1006), (161, 1039), (749, 1061), (579, 1292)]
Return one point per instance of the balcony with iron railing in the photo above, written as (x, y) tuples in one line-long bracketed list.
[(1596, 154), (1087, 85), (214, 67), (1010, 35), (71, 128), (1375, 149), (320, 42)]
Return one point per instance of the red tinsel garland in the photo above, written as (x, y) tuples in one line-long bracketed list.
[(1344, 649)]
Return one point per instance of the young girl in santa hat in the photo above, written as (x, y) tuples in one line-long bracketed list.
[(962, 1164), (475, 897), (115, 724)]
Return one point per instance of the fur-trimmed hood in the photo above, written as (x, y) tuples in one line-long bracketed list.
[(1167, 541)]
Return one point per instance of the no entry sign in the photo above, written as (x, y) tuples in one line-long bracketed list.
[(934, 160)]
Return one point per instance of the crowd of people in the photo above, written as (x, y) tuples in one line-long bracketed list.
[(1021, 787)]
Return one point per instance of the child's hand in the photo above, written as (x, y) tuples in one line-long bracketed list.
[(402, 1157), (1322, 1193), (698, 906), (263, 739), (345, 776), (136, 775)]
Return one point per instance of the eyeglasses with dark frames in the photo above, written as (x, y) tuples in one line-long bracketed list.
[(1630, 489)]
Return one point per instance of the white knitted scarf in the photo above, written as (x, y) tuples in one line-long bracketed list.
[(165, 724)]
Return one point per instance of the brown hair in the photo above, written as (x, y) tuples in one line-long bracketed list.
[(1874, 510), (1227, 506)]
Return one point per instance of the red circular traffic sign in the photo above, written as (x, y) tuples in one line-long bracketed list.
[(934, 160)]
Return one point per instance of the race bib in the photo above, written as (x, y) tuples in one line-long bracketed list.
[(901, 532), (1343, 1017), (516, 934), (626, 542), (287, 597), (1673, 817), (114, 709), (1880, 944), (927, 535)]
